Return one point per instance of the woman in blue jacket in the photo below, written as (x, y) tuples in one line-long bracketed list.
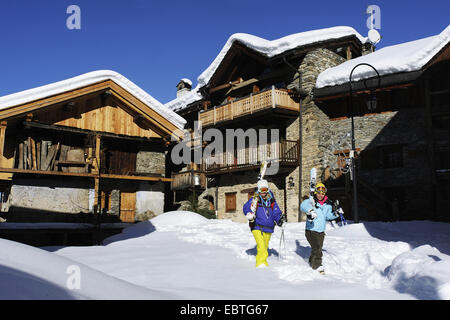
[(262, 220), (317, 216)]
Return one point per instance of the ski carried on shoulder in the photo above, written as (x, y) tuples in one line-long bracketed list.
[(262, 172), (312, 186)]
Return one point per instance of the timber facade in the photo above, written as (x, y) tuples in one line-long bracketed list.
[(89, 154), (251, 91)]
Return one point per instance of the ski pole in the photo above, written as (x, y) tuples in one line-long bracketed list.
[(282, 239)]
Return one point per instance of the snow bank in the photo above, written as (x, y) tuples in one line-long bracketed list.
[(85, 80), (31, 273), (178, 219), (405, 57), (423, 271), (168, 220)]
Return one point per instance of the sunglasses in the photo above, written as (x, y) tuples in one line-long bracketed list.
[(264, 190)]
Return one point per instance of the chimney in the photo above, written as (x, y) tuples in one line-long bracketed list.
[(183, 87), (367, 48)]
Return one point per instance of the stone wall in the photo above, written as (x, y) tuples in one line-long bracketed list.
[(151, 161), (237, 182), (66, 200), (151, 194), (313, 118), (405, 127)]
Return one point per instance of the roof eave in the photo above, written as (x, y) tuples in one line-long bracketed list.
[(385, 81)]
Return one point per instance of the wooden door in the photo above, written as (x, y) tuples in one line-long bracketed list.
[(127, 206), (230, 201)]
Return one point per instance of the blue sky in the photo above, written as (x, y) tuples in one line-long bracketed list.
[(155, 43)]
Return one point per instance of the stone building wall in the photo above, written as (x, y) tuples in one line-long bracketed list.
[(236, 183), (405, 127), (313, 118), (67, 200)]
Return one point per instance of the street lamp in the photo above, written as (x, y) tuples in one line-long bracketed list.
[(371, 104)]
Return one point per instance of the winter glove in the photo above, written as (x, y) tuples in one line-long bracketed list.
[(311, 215), (281, 221), (250, 216)]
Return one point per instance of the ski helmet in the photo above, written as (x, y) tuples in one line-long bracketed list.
[(320, 188), (263, 186)]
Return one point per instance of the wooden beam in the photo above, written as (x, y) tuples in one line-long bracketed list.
[(241, 84), (143, 178), (29, 107), (224, 86), (96, 161), (62, 128), (3, 126), (86, 175), (342, 95), (349, 53)]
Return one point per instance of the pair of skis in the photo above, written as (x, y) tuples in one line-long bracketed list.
[(262, 172)]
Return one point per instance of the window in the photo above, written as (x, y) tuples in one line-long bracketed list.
[(230, 202), (383, 157), (370, 159)]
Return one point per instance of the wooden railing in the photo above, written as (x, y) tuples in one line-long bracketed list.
[(271, 98), (285, 152), (188, 179)]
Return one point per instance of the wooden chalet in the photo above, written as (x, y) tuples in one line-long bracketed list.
[(249, 87), (93, 144)]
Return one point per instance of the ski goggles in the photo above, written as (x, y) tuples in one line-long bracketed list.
[(263, 190), (321, 190)]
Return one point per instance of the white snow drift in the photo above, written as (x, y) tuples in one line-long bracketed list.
[(181, 255)]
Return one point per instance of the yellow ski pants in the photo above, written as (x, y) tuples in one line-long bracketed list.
[(262, 246)]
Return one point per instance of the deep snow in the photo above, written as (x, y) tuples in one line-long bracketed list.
[(181, 255)]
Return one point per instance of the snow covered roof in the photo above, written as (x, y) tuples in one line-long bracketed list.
[(186, 80), (85, 80), (267, 48), (404, 57)]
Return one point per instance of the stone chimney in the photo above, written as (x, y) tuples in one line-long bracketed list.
[(367, 48), (183, 87)]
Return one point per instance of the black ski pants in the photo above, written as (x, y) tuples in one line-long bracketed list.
[(315, 240)]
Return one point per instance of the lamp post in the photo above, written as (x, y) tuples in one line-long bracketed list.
[(371, 103)]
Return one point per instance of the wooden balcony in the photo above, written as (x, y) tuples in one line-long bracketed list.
[(188, 180), (285, 152), (271, 99)]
